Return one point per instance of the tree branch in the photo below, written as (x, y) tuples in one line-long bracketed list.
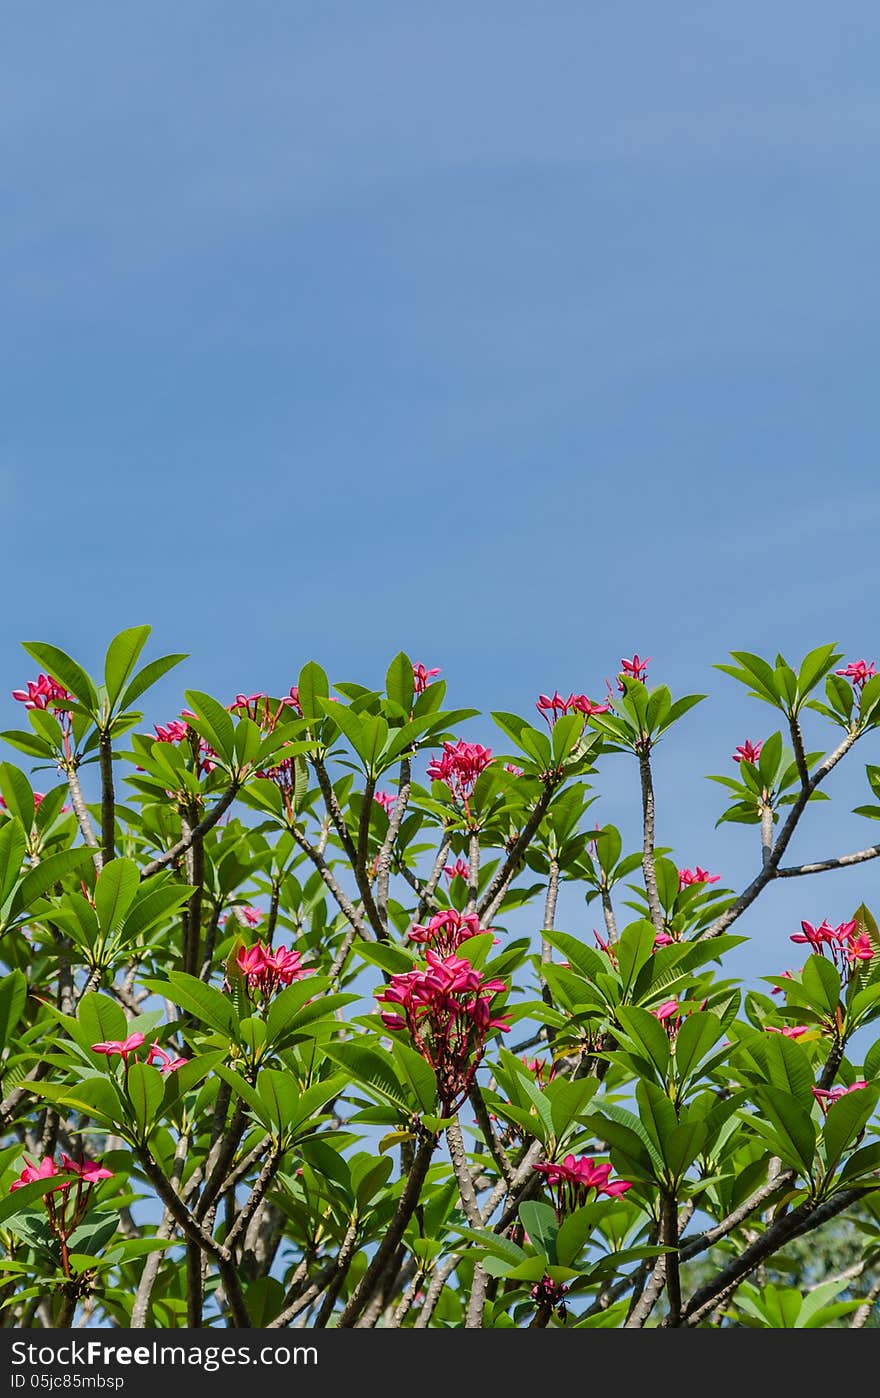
[(494, 895), (648, 868), (205, 824)]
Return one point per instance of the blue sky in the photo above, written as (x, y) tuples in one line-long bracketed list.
[(519, 337)]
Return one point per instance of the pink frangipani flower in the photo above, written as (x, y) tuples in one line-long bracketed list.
[(686, 877), (572, 1179), (422, 677), (826, 1097), (748, 752), (163, 1060), (124, 1047), (458, 870), (858, 672)]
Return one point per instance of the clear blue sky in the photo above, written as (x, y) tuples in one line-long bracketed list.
[(518, 336)]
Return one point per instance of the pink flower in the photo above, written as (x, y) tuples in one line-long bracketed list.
[(173, 732), (459, 767), (556, 705), (177, 731), (446, 930), (458, 870), (636, 669), (663, 939), (31, 1173), (124, 1047), (447, 1010), (386, 800), (860, 949), (827, 1096), (573, 1178), (422, 677), (666, 1010), (788, 1031), (44, 693), (845, 945), (698, 875), (163, 1060), (859, 672), (266, 970), (291, 700), (89, 1171), (748, 752), (247, 702), (514, 771)]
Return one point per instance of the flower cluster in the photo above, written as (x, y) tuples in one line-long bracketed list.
[(263, 710), (845, 944), (459, 766), (266, 971), (126, 1048), (686, 877), (67, 1211), (553, 706), (550, 1295), (859, 672), (748, 752), (422, 678), (177, 730), (44, 693), (446, 930), (447, 1011), (826, 1097), (577, 1180)]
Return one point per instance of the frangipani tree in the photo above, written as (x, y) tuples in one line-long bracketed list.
[(277, 1049)]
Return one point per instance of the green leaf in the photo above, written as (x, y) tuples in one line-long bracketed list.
[(148, 676), (820, 982), (417, 1073), (696, 1038), (846, 1119), (122, 656), (13, 995), (213, 723), (17, 794), (399, 682), (372, 1068), (246, 1093), (209, 1004), (313, 686), (101, 1018), (28, 743), (793, 1123), (657, 1114), (146, 1090), (581, 957), (152, 904), (539, 1221), (814, 666), (115, 889), (13, 843), (17, 1200), (48, 872), (634, 949), (65, 671), (648, 1035)]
